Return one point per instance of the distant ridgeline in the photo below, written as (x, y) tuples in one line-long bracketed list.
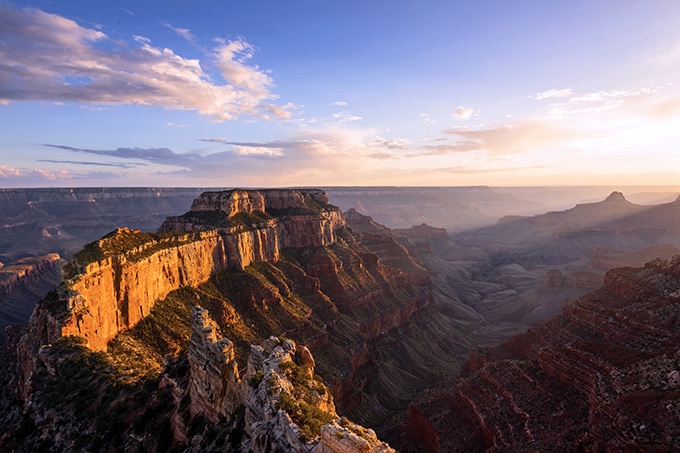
[(114, 282)]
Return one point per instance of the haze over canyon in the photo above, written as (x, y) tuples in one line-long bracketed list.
[(271, 320)]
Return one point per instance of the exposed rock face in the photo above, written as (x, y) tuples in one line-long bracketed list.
[(287, 409), (25, 271), (215, 387), (132, 270), (598, 377), (300, 217)]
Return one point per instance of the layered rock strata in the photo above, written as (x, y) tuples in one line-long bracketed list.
[(602, 376), (114, 282)]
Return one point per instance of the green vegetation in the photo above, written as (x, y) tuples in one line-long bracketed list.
[(133, 244), (97, 396), (220, 219), (308, 417), (256, 378)]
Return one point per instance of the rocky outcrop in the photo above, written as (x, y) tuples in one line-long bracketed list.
[(599, 377), (301, 217), (25, 271), (116, 281), (288, 408), (215, 387)]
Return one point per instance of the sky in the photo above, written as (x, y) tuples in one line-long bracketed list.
[(247, 93)]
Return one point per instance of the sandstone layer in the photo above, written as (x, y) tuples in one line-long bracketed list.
[(602, 376)]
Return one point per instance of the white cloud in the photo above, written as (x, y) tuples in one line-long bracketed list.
[(463, 113), (344, 117), (598, 101), (257, 151), (176, 125), (563, 93), (46, 57), (340, 103)]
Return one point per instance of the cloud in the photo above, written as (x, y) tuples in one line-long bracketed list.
[(163, 156), (46, 57), (183, 32), (592, 102), (513, 138), (340, 103), (344, 117), (6, 171), (176, 125), (563, 93), (53, 175), (392, 143), (258, 151), (98, 164), (463, 113)]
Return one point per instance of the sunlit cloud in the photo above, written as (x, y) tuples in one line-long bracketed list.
[(463, 113), (563, 93), (6, 171), (593, 102), (53, 175), (344, 117), (511, 138), (46, 57), (257, 151), (393, 143)]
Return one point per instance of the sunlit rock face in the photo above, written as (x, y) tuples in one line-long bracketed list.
[(600, 376), (115, 282)]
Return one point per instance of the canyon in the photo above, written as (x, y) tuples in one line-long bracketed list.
[(601, 376), (386, 313), (279, 262)]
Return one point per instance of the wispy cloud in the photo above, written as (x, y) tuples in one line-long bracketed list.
[(46, 57), (345, 117), (340, 103), (96, 164), (183, 32), (573, 103), (176, 125), (163, 156), (512, 138), (561, 93)]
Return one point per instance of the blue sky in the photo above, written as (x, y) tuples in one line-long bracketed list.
[(303, 93)]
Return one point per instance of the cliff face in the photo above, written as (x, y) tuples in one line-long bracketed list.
[(601, 376), (118, 279)]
